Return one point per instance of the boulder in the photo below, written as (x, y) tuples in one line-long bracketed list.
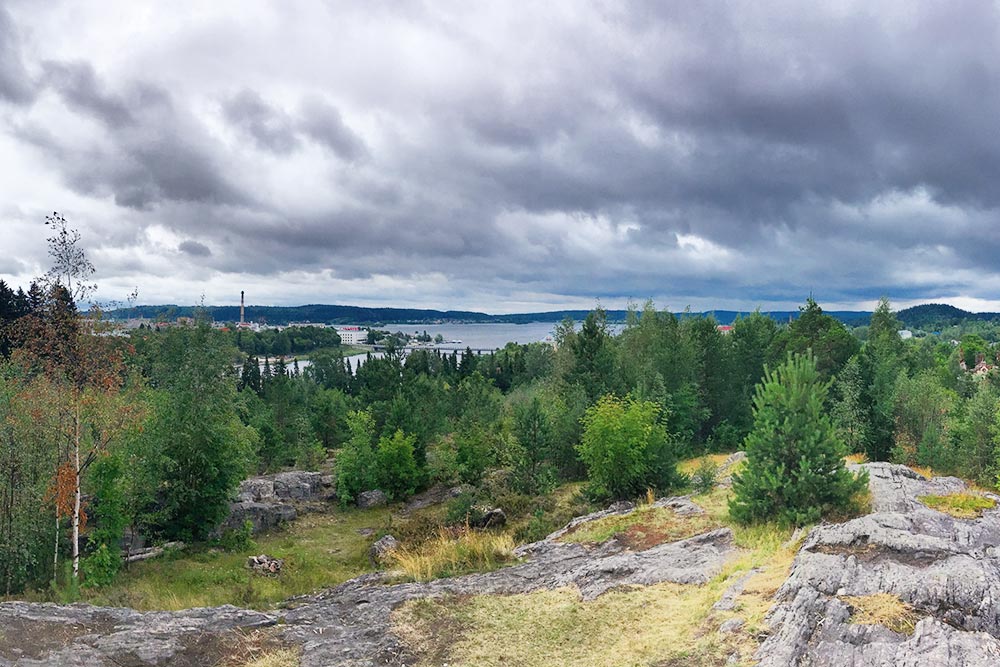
[(298, 485), (255, 490), (379, 551), (488, 517), (263, 516), (373, 498)]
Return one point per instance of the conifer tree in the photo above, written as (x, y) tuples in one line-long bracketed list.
[(795, 468)]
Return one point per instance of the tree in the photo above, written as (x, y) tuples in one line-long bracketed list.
[(397, 469), (828, 339), (626, 449), (357, 466), (795, 467), (206, 446)]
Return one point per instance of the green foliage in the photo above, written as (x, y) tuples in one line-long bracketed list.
[(827, 338), (795, 469), (397, 469), (357, 469), (626, 449), (704, 477), (238, 540), (205, 446)]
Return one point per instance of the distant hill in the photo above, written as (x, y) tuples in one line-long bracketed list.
[(934, 316), (335, 314)]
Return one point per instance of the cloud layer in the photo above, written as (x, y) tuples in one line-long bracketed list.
[(507, 156)]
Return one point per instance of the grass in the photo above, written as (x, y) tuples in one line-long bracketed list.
[(664, 624), (959, 505), (882, 609), (689, 466), (259, 648), (320, 550), (454, 552), (641, 529), (856, 459)]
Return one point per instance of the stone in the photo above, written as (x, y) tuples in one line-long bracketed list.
[(263, 516), (266, 565), (83, 635), (489, 517), (297, 485), (373, 498), (379, 551), (255, 490), (734, 624)]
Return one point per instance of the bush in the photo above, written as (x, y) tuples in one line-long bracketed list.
[(397, 468), (704, 477), (795, 469), (356, 462), (626, 449), (238, 539)]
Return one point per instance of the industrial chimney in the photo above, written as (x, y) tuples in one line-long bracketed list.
[(242, 321)]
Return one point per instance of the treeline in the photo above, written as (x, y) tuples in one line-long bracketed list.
[(104, 436)]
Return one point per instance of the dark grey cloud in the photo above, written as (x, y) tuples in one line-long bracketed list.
[(715, 150), (268, 126), (322, 122), (15, 84), (194, 248)]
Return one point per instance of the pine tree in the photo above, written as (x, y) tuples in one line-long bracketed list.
[(795, 468)]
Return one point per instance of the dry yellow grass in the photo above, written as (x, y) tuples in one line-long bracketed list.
[(959, 505), (661, 624), (856, 459), (454, 552), (688, 466), (259, 648), (882, 609)]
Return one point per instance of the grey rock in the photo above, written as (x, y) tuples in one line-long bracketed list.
[(263, 516), (36, 635), (728, 600), (256, 490), (947, 569), (298, 485), (349, 625), (489, 517), (732, 625), (266, 565), (381, 548), (373, 498)]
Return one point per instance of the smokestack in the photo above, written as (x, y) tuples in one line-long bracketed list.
[(241, 307)]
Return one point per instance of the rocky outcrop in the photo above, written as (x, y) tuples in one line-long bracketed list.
[(379, 551), (270, 500), (37, 635), (373, 498), (946, 569), (350, 625)]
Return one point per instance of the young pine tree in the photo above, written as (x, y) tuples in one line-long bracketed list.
[(795, 468)]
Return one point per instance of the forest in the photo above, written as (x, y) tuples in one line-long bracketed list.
[(104, 434)]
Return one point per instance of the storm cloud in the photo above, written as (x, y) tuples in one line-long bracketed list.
[(514, 156)]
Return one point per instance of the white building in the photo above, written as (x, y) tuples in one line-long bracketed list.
[(352, 335)]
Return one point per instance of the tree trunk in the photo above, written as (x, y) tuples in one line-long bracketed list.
[(76, 496)]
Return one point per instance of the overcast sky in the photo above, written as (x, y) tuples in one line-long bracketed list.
[(506, 156)]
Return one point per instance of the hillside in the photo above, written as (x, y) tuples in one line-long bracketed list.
[(935, 316), (340, 314), (664, 583)]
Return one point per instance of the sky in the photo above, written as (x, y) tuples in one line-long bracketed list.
[(508, 156)]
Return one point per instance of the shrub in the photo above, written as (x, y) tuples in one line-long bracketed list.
[(795, 469), (704, 477), (397, 468), (356, 462), (626, 449), (238, 539)]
